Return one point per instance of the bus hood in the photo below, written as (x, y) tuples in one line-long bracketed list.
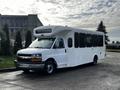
[(31, 51)]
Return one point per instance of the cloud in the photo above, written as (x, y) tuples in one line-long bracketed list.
[(80, 13), (76, 13), (114, 33), (51, 1)]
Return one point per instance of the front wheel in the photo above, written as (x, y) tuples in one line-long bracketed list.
[(49, 67)]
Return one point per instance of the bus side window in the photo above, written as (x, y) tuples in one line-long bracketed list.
[(76, 40), (100, 40), (70, 42), (89, 40), (59, 43), (94, 40), (82, 40)]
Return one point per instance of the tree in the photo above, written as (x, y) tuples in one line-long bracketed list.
[(3, 46), (2, 36), (28, 39), (5, 41), (18, 42), (102, 28)]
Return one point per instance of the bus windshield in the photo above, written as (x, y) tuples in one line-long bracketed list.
[(45, 43)]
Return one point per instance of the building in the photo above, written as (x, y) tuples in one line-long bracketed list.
[(19, 23)]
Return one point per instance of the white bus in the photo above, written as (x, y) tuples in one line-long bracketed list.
[(59, 47)]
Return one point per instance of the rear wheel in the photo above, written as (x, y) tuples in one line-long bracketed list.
[(50, 67), (95, 60)]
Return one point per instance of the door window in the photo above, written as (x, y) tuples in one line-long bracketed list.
[(59, 43), (70, 42)]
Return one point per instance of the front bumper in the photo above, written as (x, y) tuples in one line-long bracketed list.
[(32, 66)]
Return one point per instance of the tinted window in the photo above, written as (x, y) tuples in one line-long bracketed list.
[(76, 40), (100, 40), (88, 40), (69, 42), (94, 40), (82, 40), (97, 40)]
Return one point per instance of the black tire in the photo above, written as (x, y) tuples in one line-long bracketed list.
[(26, 70), (95, 60), (49, 67)]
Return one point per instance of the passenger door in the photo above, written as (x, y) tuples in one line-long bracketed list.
[(60, 52)]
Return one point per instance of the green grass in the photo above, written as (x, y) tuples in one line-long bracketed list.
[(6, 62)]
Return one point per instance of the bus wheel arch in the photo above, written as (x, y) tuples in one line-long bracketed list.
[(50, 66), (95, 60)]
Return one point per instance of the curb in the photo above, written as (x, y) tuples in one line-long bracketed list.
[(113, 51), (8, 69)]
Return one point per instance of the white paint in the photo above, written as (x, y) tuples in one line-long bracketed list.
[(72, 56)]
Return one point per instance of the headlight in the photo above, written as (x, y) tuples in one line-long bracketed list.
[(36, 57)]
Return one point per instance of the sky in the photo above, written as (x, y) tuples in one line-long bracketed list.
[(74, 13)]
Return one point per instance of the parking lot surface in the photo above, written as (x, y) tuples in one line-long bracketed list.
[(104, 76)]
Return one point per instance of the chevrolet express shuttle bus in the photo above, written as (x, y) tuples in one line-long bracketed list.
[(60, 47)]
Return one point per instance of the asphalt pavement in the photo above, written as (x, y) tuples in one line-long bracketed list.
[(104, 76)]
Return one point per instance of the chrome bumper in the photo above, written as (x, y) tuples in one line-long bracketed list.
[(22, 65)]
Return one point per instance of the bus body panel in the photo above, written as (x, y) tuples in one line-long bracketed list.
[(69, 56), (58, 55)]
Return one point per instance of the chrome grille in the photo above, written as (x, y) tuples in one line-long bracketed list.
[(24, 57), (24, 54)]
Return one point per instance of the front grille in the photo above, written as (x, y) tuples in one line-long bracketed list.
[(24, 54), (24, 58), (19, 59)]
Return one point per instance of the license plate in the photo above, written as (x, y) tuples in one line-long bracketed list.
[(24, 65)]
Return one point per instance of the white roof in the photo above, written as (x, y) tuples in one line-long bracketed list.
[(60, 29)]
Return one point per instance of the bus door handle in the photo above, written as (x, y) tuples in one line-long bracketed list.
[(65, 50)]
